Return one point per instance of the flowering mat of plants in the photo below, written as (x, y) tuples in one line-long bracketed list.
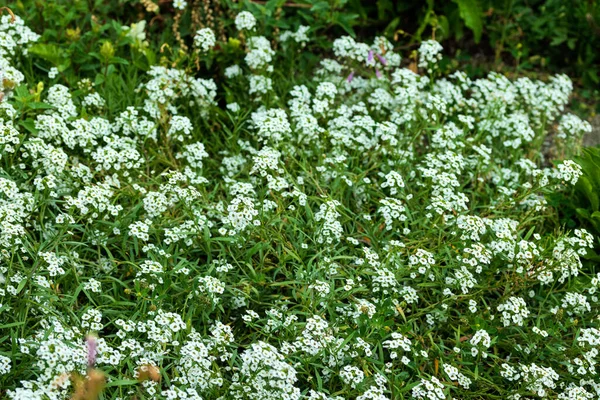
[(362, 230)]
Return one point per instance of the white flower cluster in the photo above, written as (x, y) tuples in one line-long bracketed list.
[(260, 53), (264, 375), (245, 20), (572, 126), (480, 341), (430, 53), (455, 375), (569, 171), (331, 229), (168, 86), (299, 36), (372, 234), (204, 40), (422, 260), (429, 390), (514, 311), (14, 37)]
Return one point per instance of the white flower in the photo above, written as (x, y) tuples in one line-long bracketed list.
[(233, 71), (137, 32), (5, 366), (569, 171), (233, 107), (53, 73), (180, 4)]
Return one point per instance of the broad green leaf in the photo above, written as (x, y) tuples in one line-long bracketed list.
[(444, 26), (585, 187), (471, 14), (99, 79), (29, 125), (49, 52), (150, 56)]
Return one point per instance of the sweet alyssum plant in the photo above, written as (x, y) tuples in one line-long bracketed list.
[(372, 233)]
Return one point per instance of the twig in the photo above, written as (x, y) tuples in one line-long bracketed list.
[(12, 15)]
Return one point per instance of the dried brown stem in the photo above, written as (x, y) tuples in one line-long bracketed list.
[(8, 10)]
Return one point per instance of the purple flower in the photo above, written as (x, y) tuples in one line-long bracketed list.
[(350, 77), (92, 346), (370, 57), (377, 73), (382, 59)]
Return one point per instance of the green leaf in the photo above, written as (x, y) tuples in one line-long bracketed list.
[(150, 56), (320, 6), (444, 26), (592, 74), (583, 213), (119, 60), (384, 9), (21, 285), (99, 79), (122, 382), (21, 91), (584, 186), (557, 40), (11, 325), (530, 232), (49, 52), (272, 5), (110, 69), (345, 21), (389, 30), (471, 14), (29, 125), (35, 105)]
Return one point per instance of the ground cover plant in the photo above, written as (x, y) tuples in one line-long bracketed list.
[(351, 228)]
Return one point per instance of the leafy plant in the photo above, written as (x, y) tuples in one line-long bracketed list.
[(581, 205), (587, 189)]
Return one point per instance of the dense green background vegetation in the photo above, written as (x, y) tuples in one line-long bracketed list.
[(534, 37), (411, 213)]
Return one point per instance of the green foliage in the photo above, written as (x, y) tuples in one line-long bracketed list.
[(582, 205), (528, 34), (587, 189), (551, 35), (470, 12)]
